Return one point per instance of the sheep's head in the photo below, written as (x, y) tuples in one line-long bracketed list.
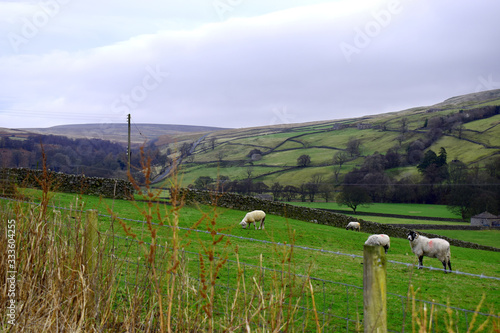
[(412, 235), (244, 224)]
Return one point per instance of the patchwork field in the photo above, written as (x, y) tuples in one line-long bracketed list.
[(222, 152)]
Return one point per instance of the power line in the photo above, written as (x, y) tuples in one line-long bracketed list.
[(54, 114)]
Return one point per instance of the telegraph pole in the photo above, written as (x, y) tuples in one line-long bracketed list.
[(129, 152)]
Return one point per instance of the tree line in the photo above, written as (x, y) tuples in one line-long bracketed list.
[(466, 190), (91, 157)]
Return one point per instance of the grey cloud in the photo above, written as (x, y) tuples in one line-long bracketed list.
[(249, 70)]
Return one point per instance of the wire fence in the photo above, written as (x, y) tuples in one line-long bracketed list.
[(339, 306), (321, 250)]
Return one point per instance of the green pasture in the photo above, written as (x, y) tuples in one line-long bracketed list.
[(483, 237), (371, 140), (483, 124), (394, 220), (265, 141), (297, 176), (457, 290), (231, 152), (489, 138), (334, 139), (190, 172), (290, 144), (465, 151), (289, 157), (415, 120), (389, 208)]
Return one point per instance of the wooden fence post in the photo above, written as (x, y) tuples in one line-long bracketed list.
[(374, 289), (91, 253)]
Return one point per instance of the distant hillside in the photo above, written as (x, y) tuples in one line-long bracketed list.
[(119, 132), (473, 98), (467, 127)]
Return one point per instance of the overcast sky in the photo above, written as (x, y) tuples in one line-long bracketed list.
[(239, 63)]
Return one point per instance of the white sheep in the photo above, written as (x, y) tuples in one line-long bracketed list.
[(254, 217), (433, 248), (379, 240), (354, 226)]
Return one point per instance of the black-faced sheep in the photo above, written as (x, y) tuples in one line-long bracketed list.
[(433, 248), (254, 217), (353, 226), (381, 240)]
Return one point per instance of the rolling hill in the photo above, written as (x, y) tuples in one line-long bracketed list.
[(468, 127), (140, 133)]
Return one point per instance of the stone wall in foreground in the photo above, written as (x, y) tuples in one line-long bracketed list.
[(68, 183)]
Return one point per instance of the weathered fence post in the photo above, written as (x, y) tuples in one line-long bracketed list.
[(374, 289), (90, 254)]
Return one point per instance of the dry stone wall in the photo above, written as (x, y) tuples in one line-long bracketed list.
[(62, 182), (318, 216)]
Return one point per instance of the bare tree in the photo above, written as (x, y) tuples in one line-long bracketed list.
[(220, 155), (276, 189), (404, 126), (249, 172), (312, 188), (353, 146), (339, 159), (212, 141), (459, 128), (326, 191)]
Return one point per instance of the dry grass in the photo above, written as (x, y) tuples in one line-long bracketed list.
[(67, 279), (426, 321)]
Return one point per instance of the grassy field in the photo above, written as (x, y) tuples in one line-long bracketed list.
[(389, 208), (484, 237), (456, 290)]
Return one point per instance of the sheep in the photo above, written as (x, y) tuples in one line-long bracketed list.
[(381, 240), (254, 217), (433, 248), (354, 226)]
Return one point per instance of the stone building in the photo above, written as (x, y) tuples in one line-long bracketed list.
[(485, 219)]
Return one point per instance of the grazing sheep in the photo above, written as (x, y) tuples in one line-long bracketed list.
[(433, 248), (254, 217), (381, 240), (354, 226)]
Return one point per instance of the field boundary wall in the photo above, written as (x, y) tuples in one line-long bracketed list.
[(444, 227), (69, 183)]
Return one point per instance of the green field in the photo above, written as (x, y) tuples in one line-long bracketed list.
[(456, 290), (483, 237), (388, 208)]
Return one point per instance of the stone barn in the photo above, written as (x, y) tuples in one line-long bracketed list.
[(485, 220)]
